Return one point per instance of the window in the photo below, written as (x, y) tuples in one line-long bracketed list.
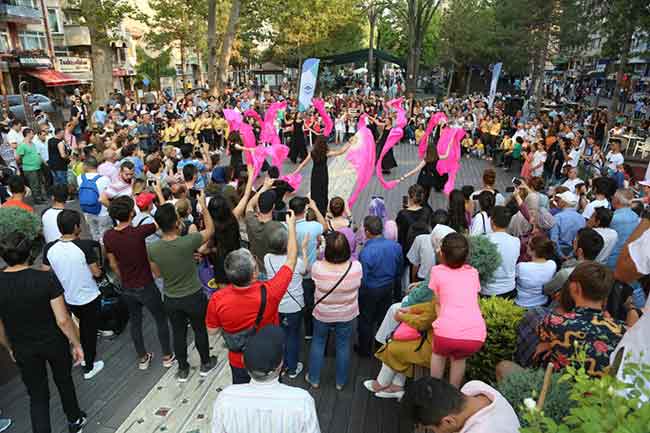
[(26, 3), (54, 22), (32, 40), (4, 41)]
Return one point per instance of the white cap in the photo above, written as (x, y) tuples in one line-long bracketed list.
[(438, 234), (569, 198), (645, 182)]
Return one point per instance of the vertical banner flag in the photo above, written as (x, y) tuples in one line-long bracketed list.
[(496, 71), (307, 83)]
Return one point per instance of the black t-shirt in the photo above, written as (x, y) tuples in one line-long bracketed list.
[(25, 308), (55, 162)]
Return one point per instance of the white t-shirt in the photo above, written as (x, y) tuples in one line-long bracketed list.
[(422, 254), (591, 207), (614, 160), (498, 417), (499, 199), (50, 227), (481, 224), (610, 237), (69, 260), (503, 280), (102, 183), (571, 183), (575, 157), (640, 253), (531, 277), (293, 300), (14, 137), (538, 157)]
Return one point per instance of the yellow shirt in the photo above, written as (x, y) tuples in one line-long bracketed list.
[(485, 126), (467, 142), (495, 128), (478, 145), (172, 134), (506, 144), (418, 135)]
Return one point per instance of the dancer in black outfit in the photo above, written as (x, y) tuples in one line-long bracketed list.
[(298, 145)]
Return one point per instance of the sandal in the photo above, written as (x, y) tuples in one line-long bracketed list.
[(143, 364)]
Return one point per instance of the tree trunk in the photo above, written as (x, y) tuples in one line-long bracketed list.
[(212, 46), (540, 66), (373, 20), (102, 62), (622, 65), (468, 79), (226, 47), (182, 48), (451, 80)]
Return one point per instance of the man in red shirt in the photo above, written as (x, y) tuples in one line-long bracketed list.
[(17, 189), (235, 307), (127, 254)]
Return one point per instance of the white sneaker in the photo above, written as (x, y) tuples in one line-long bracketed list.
[(297, 371), (105, 333), (97, 367)]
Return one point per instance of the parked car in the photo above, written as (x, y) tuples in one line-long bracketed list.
[(37, 101)]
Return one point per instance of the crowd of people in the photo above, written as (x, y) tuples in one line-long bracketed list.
[(178, 221)]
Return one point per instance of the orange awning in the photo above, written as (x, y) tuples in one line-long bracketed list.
[(53, 78)]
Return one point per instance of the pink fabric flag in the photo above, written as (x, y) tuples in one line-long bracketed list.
[(293, 180), (433, 121), (268, 133), (449, 144), (394, 136), (319, 105), (234, 119), (362, 157)]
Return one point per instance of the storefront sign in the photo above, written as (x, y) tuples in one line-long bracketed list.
[(74, 64), (35, 62)]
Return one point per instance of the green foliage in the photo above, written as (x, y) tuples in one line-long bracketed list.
[(484, 256), (502, 318), (154, 67), (601, 405), (103, 18), (13, 219), (524, 384), (177, 22)]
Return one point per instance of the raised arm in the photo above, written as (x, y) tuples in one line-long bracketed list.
[(303, 163), (292, 244), (208, 231), (250, 207), (343, 149), (239, 210), (319, 216), (417, 168)]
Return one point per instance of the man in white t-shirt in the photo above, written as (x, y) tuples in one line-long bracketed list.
[(503, 281), (75, 263), (50, 227), (98, 223), (475, 408), (573, 180)]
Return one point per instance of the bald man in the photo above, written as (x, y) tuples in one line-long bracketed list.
[(109, 167)]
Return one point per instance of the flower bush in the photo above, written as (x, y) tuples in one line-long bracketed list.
[(502, 318), (601, 405), (518, 388), (484, 256)]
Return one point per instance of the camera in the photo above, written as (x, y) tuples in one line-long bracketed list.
[(516, 181)]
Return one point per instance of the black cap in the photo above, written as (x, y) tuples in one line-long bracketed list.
[(264, 350), (266, 201)]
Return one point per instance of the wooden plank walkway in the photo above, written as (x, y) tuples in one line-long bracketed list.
[(124, 399)]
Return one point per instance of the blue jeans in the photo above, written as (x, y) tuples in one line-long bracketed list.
[(343, 334), (291, 323), (60, 177)]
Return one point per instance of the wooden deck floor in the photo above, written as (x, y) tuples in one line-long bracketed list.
[(112, 399)]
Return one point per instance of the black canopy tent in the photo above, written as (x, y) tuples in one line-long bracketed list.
[(361, 56)]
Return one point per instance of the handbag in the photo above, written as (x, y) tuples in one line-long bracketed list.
[(329, 292), (236, 341)]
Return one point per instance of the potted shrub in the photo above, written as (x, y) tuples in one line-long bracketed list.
[(14, 219)]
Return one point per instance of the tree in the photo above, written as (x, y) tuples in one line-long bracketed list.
[(212, 44), (372, 9), (416, 16), (461, 46), (179, 23), (103, 20), (620, 23), (154, 67), (226, 47)]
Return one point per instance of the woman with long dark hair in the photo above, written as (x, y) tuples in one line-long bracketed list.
[(298, 148), (319, 174), (458, 219)]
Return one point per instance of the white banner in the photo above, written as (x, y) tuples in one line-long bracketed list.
[(496, 71), (307, 83)]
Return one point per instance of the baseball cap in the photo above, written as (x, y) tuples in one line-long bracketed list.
[(568, 197), (264, 350), (144, 200), (266, 201), (645, 182), (438, 234)]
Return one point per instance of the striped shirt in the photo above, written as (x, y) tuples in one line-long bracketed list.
[(342, 304)]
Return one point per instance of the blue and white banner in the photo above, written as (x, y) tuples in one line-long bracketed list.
[(496, 71), (307, 83)]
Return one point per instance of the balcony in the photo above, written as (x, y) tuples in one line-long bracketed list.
[(76, 35), (19, 14)]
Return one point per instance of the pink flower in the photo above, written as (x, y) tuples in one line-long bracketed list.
[(601, 347), (556, 320)]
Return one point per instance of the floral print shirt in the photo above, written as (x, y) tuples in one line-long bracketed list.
[(563, 335)]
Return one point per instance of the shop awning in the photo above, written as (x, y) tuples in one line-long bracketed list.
[(53, 78)]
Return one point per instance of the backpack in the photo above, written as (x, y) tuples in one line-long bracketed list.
[(89, 195)]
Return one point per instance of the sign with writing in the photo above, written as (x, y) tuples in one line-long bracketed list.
[(35, 62), (74, 64)]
